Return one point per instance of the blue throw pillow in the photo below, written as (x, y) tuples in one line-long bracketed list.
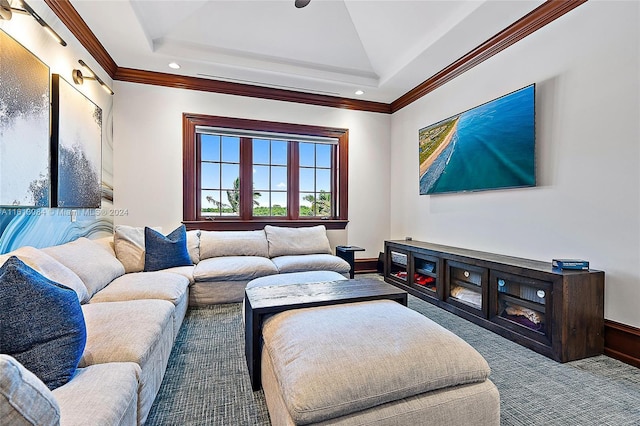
[(41, 323), (165, 252)]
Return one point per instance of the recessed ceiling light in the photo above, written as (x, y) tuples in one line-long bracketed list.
[(174, 65), (359, 92)]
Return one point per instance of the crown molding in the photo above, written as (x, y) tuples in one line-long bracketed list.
[(239, 89), (530, 23), (538, 18)]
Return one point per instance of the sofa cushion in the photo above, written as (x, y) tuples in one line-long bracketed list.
[(144, 285), (335, 360), (163, 252), (311, 262), (102, 394), (233, 243), (93, 263), (285, 241), (50, 268), (185, 271), (235, 268), (24, 399), (41, 323), (139, 331)]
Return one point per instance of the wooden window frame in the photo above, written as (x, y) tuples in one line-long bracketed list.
[(190, 207)]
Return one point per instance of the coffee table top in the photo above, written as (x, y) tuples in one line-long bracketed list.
[(310, 294)]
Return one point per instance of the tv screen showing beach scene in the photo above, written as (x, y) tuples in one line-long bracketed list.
[(491, 146)]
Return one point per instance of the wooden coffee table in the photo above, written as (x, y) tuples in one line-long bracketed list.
[(268, 300)]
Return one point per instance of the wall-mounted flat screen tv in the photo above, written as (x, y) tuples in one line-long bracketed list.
[(491, 146)]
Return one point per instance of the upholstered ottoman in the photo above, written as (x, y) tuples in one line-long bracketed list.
[(372, 363)]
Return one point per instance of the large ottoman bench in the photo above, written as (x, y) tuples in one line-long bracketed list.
[(374, 362)]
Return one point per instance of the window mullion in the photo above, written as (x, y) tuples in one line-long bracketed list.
[(293, 194), (246, 179)]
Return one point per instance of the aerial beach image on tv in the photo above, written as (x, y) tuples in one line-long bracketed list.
[(491, 146)]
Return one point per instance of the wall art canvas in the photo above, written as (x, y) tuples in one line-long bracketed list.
[(491, 146), (24, 126), (76, 148)]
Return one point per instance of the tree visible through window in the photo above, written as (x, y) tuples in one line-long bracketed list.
[(251, 171)]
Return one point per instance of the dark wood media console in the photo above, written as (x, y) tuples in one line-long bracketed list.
[(558, 313)]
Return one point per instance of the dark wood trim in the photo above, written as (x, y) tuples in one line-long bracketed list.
[(622, 342), (365, 266), (252, 225), (538, 18), (191, 209), (207, 85), (74, 22), (189, 155)]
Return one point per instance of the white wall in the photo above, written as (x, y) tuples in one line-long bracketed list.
[(148, 155), (587, 202)]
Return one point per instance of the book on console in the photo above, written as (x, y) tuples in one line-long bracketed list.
[(570, 264)]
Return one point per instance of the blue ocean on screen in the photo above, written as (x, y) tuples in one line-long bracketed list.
[(493, 147)]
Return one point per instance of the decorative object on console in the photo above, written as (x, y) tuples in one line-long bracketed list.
[(165, 252), (76, 146), (570, 264), (491, 146), (24, 102), (41, 323)]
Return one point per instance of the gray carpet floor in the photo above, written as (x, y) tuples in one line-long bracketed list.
[(207, 382)]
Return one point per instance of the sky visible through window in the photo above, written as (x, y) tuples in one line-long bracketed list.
[(220, 171)]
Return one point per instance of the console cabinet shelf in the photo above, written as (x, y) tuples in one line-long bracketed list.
[(559, 314)]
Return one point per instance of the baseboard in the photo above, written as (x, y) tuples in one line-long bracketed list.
[(622, 342), (365, 266)]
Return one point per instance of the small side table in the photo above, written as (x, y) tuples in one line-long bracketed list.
[(347, 253)]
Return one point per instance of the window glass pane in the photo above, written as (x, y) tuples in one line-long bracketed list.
[(323, 155), (210, 203), (231, 149), (261, 178), (278, 204), (210, 175), (279, 152), (307, 177), (261, 204), (210, 148), (306, 204), (323, 180), (323, 204), (261, 151), (307, 154), (278, 178), (231, 202), (230, 176)]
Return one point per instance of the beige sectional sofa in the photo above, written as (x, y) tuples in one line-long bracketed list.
[(132, 318)]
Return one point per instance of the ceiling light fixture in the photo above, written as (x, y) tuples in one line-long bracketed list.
[(78, 78), (174, 65), (6, 13), (359, 92), (301, 3)]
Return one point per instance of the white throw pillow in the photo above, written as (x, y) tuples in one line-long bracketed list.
[(292, 241), (129, 246), (233, 243)]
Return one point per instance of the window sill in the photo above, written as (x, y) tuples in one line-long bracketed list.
[(251, 225)]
